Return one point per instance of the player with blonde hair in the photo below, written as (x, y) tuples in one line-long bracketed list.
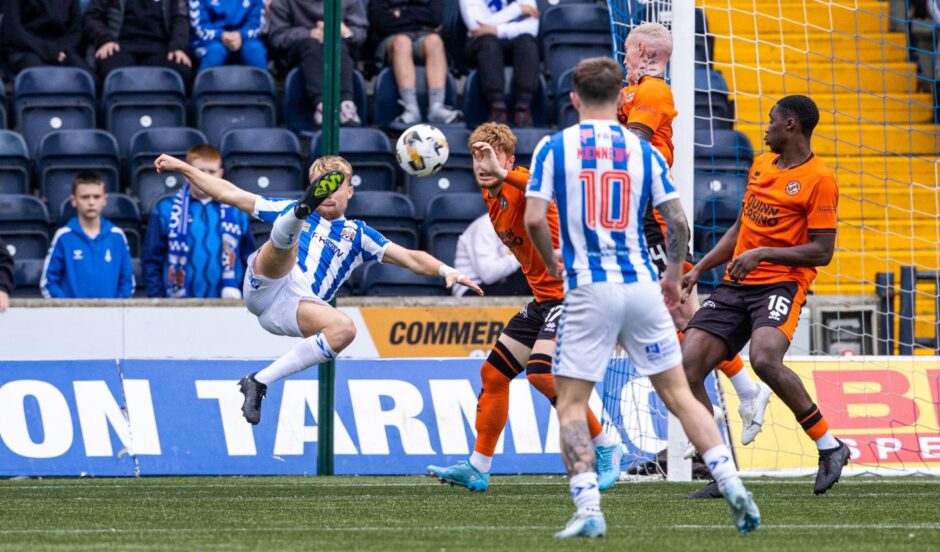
[(647, 109), (313, 249)]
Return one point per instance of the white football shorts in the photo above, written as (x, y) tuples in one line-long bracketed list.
[(599, 316), (275, 301)]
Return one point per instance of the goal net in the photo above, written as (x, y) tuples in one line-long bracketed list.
[(867, 344)]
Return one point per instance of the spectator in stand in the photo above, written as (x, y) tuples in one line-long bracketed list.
[(89, 257), (227, 31), (486, 261), (407, 32), (7, 282), (42, 32), (499, 30), (196, 247), (296, 31), (126, 33)]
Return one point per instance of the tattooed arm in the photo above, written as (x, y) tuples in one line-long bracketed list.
[(677, 238)]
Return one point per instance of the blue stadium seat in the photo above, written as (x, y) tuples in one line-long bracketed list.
[(136, 98), (23, 212), (446, 218), (448, 181), (298, 108), (384, 280), (572, 32), (385, 97), (726, 186), (121, 210), (454, 33), (3, 102), (722, 150), (145, 146), (65, 153), (459, 156), (370, 152), (14, 163), (712, 105), (390, 213), (527, 140), (565, 113), (47, 99), (265, 161), (476, 111), (26, 244), (233, 96), (27, 273)]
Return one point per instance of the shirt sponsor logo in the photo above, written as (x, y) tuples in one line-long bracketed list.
[(760, 212)]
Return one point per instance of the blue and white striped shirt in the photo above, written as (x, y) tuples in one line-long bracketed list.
[(601, 176), (328, 250)]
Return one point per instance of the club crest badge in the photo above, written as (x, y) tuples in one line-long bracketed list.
[(793, 187)]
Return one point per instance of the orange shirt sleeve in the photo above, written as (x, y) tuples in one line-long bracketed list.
[(822, 210), (518, 177), (650, 107)]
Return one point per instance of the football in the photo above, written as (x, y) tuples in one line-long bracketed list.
[(422, 150)]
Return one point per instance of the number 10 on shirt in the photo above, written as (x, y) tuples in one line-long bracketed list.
[(614, 199)]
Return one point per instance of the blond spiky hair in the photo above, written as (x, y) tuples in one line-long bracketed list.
[(329, 163), (656, 35)]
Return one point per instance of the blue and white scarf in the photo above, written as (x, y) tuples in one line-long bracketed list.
[(178, 256)]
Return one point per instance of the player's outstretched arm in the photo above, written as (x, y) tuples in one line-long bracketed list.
[(422, 263), (216, 188), (818, 252)]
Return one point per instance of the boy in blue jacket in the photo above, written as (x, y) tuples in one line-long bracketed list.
[(225, 30), (89, 257)]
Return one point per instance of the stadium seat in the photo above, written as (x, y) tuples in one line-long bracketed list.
[(385, 97), (24, 228), (3, 104), (370, 152), (65, 153), (298, 108), (476, 111), (14, 163), (47, 99), (145, 146), (565, 113), (721, 150), (527, 140), (446, 218), (233, 96), (264, 161), (459, 156), (572, 32), (136, 98), (26, 274), (448, 181), (712, 106), (454, 33), (385, 280), (725, 186), (390, 213), (121, 210)]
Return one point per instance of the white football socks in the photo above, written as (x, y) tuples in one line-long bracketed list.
[(744, 386), (286, 230), (309, 352), (481, 462), (827, 441), (720, 463), (585, 493)]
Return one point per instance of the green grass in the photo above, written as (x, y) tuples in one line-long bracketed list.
[(416, 513)]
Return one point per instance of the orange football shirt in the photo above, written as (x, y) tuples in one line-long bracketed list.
[(650, 103), (784, 208), (507, 213)]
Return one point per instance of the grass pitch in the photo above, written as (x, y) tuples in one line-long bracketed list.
[(417, 513)]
